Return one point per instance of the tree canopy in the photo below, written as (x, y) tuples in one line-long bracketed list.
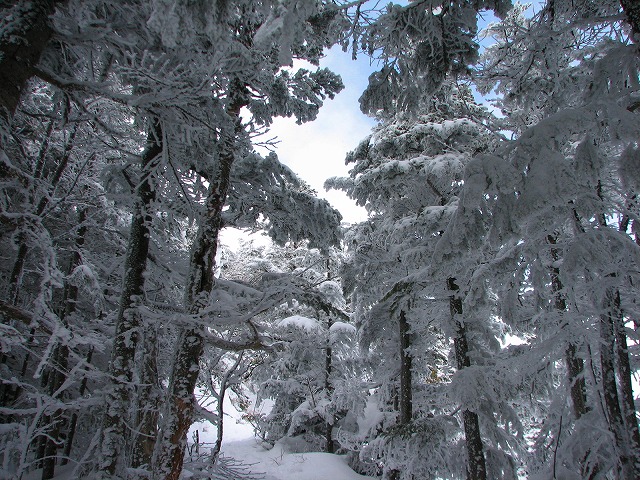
[(484, 312)]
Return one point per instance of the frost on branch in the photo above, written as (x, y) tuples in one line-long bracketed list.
[(265, 194)]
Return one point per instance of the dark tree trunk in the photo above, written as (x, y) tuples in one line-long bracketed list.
[(52, 441), (190, 342), (148, 402), (222, 393), (190, 345), (631, 9), (477, 469), (626, 389), (328, 387), (575, 370), (119, 398), (403, 401), (625, 372), (217, 446), (620, 404), (15, 280), (23, 249), (613, 345), (8, 395), (575, 364), (28, 35), (610, 388), (71, 432), (406, 403), (58, 375)]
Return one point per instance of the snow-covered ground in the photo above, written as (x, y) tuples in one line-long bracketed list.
[(240, 444), (278, 464)]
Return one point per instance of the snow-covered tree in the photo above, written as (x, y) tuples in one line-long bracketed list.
[(549, 197), (418, 44), (304, 376), (409, 175), (166, 105)]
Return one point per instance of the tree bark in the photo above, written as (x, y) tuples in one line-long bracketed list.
[(620, 404), (222, 393), (403, 401), (21, 47), (15, 279), (610, 388), (52, 441), (575, 364), (613, 345), (118, 399), (74, 417), (631, 9), (328, 387), (58, 372), (148, 401), (477, 469), (406, 403), (625, 372), (190, 342), (626, 388)]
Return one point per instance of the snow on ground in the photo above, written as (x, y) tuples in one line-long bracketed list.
[(268, 464), (278, 464)]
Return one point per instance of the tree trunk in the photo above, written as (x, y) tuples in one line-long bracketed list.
[(18, 266), (626, 388), (328, 387), (147, 401), (406, 404), (620, 405), (222, 393), (575, 364), (575, 370), (477, 469), (190, 342), (178, 420), (610, 388), (23, 44), (118, 399), (15, 280), (52, 441), (74, 418), (8, 395), (631, 10), (70, 298), (625, 372)]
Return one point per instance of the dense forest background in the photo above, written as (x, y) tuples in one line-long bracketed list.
[(481, 323)]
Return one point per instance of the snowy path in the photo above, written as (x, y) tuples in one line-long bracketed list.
[(277, 464)]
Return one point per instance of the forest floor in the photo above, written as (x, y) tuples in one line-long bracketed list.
[(240, 444), (262, 464), (278, 464)]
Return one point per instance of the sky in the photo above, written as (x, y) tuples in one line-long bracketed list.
[(316, 150)]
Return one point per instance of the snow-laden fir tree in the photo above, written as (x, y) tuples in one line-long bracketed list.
[(561, 213), (166, 123), (314, 355), (409, 175)]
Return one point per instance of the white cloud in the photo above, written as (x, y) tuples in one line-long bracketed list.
[(316, 150)]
